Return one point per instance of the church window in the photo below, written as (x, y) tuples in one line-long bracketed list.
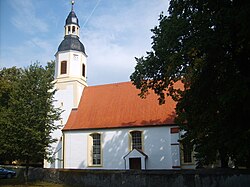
[(136, 140), (73, 29), (187, 153), (63, 67), (95, 151), (83, 70)]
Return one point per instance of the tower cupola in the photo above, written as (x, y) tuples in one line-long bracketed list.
[(72, 19), (71, 36)]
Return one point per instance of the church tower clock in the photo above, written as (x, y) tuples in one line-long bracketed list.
[(70, 80)]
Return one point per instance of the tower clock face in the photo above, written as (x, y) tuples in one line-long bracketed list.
[(74, 20), (75, 57)]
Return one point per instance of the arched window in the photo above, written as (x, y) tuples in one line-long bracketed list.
[(95, 149), (83, 70), (73, 30), (64, 67), (136, 140)]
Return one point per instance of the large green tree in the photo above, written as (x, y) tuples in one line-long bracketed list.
[(8, 79), (31, 115), (206, 45)]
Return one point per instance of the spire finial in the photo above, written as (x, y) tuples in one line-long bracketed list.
[(72, 5)]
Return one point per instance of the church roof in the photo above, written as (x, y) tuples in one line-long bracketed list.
[(118, 106), (71, 42)]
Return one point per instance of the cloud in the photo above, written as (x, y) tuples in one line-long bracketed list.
[(25, 18), (113, 38), (32, 50)]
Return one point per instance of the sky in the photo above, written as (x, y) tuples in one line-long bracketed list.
[(113, 33)]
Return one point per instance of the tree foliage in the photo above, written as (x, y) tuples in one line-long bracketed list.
[(8, 79), (29, 114), (206, 45)]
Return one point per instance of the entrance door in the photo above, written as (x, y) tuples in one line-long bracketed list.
[(134, 163)]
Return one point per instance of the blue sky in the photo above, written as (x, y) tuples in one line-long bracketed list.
[(113, 34)]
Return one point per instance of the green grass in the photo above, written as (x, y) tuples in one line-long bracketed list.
[(40, 184)]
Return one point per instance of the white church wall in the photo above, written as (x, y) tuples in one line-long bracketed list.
[(115, 145), (75, 150), (158, 148), (79, 90)]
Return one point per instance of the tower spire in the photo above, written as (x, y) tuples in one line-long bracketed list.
[(72, 5)]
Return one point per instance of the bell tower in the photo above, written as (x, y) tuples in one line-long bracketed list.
[(70, 80), (70, 69)]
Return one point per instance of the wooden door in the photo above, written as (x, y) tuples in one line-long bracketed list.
[(135, 163)]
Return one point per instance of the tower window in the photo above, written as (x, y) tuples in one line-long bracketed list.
[(63, 67), (73, 29), (83, 70), (68, 29)]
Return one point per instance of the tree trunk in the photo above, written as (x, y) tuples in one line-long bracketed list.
[(27, 164)]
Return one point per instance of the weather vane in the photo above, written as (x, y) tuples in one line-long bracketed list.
[(72, 3)]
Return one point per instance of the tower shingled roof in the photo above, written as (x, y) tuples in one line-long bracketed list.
[(71, 17), (71, 42)]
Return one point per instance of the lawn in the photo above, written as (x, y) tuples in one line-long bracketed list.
[(41, 184)]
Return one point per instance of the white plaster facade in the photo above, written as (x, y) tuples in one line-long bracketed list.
[(115, 145)]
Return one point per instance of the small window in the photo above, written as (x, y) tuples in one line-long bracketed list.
[(63, 67), (136, 140), (95, 149), (73, 30), (83, 70)]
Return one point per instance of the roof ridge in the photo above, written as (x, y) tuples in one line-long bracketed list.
[(110, 84)]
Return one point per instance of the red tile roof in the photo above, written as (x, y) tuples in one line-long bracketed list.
[(118, 105)]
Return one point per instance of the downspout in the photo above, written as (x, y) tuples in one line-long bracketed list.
[(63, 147), (124, 162)]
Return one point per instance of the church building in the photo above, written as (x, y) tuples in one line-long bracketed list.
[(109, 126)]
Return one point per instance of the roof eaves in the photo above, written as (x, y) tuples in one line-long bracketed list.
[(119, 127)]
